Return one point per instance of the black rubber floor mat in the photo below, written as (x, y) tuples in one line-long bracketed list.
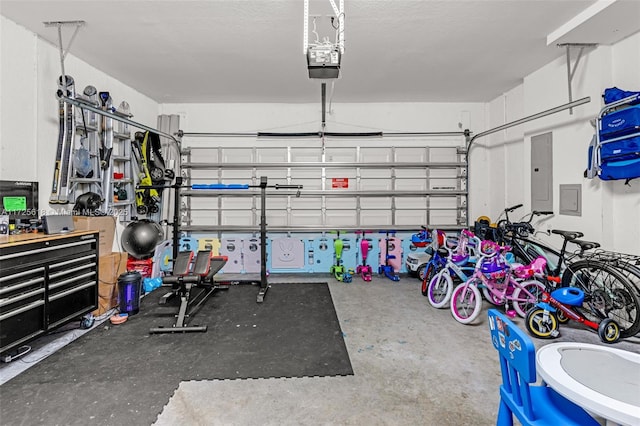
[(124, 375)]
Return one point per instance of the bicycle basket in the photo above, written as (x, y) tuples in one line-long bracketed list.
[(492, 265)]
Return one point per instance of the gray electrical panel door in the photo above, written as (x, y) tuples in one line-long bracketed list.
[(542, 172)]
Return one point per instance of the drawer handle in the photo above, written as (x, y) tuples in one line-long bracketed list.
[(70, 280), (68, 262), (21, 285), (10, 300), (69, 271), (24, 308), (71, 291), (20, 274), (46, 249)]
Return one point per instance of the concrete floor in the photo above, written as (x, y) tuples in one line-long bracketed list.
[(413, 365)]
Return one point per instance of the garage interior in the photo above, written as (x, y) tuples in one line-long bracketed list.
[(424, 114)]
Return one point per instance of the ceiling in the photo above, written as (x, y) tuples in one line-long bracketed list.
[(251, 50)]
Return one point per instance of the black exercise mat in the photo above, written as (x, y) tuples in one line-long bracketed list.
[(118, 375)]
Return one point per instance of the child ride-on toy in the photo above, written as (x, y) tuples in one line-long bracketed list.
[(387, 269), (559, 306), (364, 270)]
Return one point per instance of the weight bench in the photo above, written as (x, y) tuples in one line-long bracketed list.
[(183, 281)]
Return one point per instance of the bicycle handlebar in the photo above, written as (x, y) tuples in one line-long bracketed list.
[(510, 209)]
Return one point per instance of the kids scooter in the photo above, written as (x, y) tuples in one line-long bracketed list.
[(387, 269), (338, 269), (364, 270)]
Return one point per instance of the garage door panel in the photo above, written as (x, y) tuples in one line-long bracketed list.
[(443, 202), (375, 203), (306, 203), (306, 218), (341, 203), (276, 218), (377, 173), (271, 156), (443, 184), (411, 202), (411, 155), (378, 217), (411, 185), (376, 185), (443, 217), (236, 203), (444, 155), (411, 217), (375, 155), (238, 218), (346, 218)]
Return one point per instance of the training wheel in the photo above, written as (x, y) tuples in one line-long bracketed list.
[(609, 331)]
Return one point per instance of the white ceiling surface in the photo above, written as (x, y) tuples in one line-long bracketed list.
[(251, 50)]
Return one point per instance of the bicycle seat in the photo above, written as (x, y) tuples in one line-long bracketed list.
[(569, 296), (568, 235), (586, 245), (528, 271)]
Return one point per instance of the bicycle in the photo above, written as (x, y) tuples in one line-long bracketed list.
[(608, 292), (437, 261), (457, 264), (466, 300)]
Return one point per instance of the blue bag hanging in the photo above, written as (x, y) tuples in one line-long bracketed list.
[(614, 94)]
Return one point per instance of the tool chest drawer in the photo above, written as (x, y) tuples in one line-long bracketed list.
[(44, 283)]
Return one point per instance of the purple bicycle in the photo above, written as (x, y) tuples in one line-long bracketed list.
[(500, 282)]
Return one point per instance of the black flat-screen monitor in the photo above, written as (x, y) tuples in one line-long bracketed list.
[(19, 200)]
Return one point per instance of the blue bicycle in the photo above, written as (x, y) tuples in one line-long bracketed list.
[(459, 265)]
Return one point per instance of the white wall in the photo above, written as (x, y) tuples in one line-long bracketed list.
[(610, 210), (18, 102), (29, 69)]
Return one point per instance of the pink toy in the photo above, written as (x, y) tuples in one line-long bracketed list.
[(364, 270)]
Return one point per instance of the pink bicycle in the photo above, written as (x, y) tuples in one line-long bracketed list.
[(501, 284)]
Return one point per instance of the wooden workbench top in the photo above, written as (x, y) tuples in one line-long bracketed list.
[(18, 239)]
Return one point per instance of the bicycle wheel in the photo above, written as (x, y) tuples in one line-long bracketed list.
[(526, 295), (429, 272), (541, 323), (440, 289), (608, 294), (466, 303)]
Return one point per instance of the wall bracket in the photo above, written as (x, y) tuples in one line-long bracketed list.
[(572, 71), (62, 50)]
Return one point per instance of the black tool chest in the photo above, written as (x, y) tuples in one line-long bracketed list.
[(45, 282)]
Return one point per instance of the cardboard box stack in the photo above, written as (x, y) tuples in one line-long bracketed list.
[(111, 264), (110, 268)]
